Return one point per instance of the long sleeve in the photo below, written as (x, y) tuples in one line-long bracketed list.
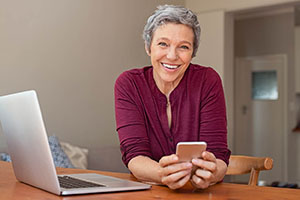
[(129, 119), (213, 124)]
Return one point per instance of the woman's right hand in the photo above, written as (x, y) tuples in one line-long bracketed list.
[(172, 173)]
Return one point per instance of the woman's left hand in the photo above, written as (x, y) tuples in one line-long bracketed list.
[(210, 170)]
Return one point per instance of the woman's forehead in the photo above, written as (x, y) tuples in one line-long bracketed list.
[(172, 31)]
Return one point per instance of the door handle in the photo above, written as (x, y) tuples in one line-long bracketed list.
[(244, 109)]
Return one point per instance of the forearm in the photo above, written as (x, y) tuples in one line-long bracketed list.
[(145, 169)]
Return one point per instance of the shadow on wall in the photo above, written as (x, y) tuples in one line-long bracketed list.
[(106, 159)]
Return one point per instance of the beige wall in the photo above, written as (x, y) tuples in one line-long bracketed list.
[(71, 52), (212, 37), (232, 5)]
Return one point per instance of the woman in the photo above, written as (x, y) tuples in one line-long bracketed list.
[(169, 102)]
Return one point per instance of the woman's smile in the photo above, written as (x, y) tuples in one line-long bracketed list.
[(170, 66)]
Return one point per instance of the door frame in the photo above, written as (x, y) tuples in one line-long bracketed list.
[(285, 105)]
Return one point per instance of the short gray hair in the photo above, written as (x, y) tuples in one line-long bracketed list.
[(172, 14)]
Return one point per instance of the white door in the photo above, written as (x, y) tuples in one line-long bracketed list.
[(259, 111)]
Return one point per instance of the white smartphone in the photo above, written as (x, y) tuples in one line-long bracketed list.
[(186, 151)]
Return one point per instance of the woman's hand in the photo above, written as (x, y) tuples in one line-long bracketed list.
[(209, 170), (172, 173)]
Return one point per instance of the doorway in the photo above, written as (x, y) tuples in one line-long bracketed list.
[(260, 117)]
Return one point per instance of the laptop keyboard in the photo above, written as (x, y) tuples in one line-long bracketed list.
[(70, 182)]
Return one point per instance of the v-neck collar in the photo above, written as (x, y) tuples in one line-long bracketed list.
[(175, 93)]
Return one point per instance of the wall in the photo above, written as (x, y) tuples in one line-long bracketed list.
[(264, 35), (212, 35), (71, 52), (232, 5)]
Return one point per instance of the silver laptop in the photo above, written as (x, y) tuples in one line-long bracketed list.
[(28, 146)]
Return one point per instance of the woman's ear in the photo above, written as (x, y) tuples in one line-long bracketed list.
[(147, 50)]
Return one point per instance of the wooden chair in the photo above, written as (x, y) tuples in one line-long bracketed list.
[(247, 164)]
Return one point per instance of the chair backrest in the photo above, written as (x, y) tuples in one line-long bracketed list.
[(239, 164)]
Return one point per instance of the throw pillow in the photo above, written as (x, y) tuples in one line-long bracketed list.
[(5, 157), (60, 158), (77, 155)]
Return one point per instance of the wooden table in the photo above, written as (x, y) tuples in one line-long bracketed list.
[(10, 188)]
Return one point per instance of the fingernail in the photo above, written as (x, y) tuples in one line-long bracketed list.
[(189, 164), (195, 161)]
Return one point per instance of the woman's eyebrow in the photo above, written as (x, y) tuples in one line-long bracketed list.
[(183, 41)]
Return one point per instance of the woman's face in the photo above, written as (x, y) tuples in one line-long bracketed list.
[(171, 52)]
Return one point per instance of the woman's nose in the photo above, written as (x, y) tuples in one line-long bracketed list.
[(172, 54)]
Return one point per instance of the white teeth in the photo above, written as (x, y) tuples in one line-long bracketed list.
[(170, 66)]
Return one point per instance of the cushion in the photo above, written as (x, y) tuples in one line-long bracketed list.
[(60, 158), (77, 155), (5, 157)]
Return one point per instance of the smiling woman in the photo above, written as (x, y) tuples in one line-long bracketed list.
[(172, 101)]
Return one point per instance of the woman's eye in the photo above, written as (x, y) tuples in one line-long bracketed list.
[(163, 44), (184, 47)]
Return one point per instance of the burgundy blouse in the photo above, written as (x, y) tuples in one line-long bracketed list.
[(197, 106)]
